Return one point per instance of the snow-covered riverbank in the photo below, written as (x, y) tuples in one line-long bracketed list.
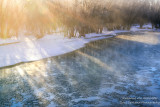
[(25, 49), (31, 50)]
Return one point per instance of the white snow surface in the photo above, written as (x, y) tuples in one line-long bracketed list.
[(29, 48)]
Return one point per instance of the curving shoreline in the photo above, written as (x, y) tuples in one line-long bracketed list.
[(44, 48)]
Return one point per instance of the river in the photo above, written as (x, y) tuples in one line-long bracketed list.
[(119, 71)]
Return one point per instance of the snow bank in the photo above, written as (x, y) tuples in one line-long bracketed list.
[(8, 41), (30, 49), (146, 27)]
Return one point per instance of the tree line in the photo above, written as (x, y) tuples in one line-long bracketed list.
[(72, 17)]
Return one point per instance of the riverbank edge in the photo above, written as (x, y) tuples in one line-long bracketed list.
[(100, 38)]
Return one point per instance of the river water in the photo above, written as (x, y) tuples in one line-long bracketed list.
[(119, 71)]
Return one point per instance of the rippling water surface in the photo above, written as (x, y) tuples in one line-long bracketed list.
[(108, 72)]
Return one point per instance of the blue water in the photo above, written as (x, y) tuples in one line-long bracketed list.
[(110, 72)]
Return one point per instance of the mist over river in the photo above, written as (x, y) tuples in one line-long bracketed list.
[(110, 72)]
